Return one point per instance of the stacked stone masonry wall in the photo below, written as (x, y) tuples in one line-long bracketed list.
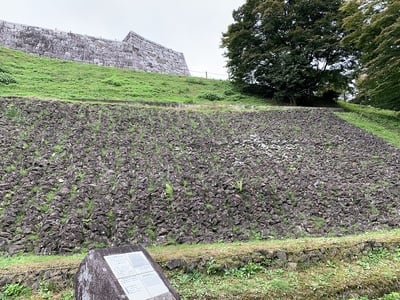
[(134, 52)]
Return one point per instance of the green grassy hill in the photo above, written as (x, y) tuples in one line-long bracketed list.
[(46, 78)]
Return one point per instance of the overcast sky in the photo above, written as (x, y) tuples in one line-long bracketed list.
[(193, 27)]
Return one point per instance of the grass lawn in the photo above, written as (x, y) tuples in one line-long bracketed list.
[(381, 122), (45, 78)]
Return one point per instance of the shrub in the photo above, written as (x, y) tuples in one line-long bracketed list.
[(114, 81), (5, 77), (330, 95), (229, 92), (13, 290), (210, 96)]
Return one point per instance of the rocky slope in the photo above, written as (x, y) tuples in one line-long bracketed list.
[(76, 176)]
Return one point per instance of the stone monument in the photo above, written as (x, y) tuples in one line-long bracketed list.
[(126, 272)]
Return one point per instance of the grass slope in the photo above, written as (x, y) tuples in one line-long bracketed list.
[(381, 122), (46, 78)]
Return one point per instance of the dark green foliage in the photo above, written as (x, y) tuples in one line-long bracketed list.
[(13, 290), (330, 95), (290, 49), (373, 31), (113, 81), (5, 77), (210, 96)]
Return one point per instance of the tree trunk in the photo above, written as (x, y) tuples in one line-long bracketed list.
[(293, 101)]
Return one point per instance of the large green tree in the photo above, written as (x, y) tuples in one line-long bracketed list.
[(373, 31), (289, 48)]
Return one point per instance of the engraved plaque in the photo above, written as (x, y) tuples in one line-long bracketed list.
[(136, 275)]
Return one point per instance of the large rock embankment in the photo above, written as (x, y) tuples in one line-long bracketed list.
[(77, 176)]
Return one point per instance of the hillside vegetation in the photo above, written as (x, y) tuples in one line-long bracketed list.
[(75, 176), (381, 122), (45, 78), (298, 51)]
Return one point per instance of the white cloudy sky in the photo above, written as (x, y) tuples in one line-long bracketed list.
[(193, 27)]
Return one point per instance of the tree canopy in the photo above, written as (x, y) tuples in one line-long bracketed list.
[(373, 32), (290, 49)]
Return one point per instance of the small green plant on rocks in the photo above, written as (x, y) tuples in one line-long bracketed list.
[(13, 290), (169, 190), (11, 111), (111, 218), (47, 289), (238, 185), (213, 267), (151, 233), (67, 295), (246, 271)]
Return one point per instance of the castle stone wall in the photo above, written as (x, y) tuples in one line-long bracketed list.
[(134, 52)]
